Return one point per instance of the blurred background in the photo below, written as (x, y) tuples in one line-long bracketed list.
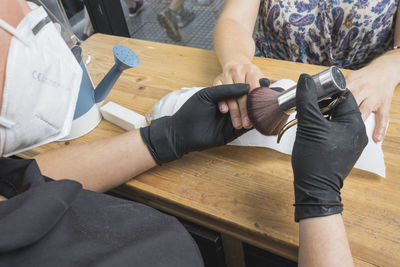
[(184, 22)]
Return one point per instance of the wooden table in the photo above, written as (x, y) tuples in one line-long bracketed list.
[(245, 193)]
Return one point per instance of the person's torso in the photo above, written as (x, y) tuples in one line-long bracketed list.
[(57, 223), (345, 33)]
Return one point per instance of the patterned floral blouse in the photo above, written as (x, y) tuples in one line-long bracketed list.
[(345, 33)]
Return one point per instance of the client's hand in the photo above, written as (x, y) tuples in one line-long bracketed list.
[(197, 125), (373, 88), (237, 108), (324, 152)]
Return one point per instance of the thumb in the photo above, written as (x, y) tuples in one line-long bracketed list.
[(307, 100), (226, 91)]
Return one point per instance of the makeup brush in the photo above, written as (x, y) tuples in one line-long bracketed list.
[(269, 109)]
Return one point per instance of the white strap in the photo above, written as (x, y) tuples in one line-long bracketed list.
[(7, 27), (6, 123)]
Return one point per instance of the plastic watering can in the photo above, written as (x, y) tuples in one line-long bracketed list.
[(87, 112)]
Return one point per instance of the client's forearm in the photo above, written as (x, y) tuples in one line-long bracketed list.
[(100, 165), (232, 43)]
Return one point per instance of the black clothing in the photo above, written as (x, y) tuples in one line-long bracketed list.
[(57, 223)]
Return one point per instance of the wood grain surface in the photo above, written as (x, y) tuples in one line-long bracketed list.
[(244, 192)]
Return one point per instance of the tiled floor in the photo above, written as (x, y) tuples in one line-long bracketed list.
[(196, 34)]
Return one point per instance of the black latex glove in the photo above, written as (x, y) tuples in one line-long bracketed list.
[(196, 126), (264, 82), (324, 151)]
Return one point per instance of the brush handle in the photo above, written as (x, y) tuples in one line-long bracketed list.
[(328, 82)]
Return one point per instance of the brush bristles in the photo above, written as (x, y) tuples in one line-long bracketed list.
[(264, 111)]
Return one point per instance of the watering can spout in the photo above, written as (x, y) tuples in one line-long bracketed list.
[(124, 59)]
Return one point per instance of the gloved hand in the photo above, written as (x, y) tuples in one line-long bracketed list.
[(196, 126), (324, 152)]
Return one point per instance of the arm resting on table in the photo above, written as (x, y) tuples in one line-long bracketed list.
[(99, 166)]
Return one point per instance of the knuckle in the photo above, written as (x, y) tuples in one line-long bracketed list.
[(254, 81), (253, 67), (218, 80), (226, 75), (236, 69)]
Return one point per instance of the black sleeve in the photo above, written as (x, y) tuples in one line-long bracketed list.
[(18, 175)]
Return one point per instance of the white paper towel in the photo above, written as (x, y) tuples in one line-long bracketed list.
[(371, 159)]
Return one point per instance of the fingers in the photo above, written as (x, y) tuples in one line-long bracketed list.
[(242, 101), (381, 121), (307, 100), (366, 107), (218, 80), (222, 105), (238, 74), (227, 92), (236, 106), (221, 80), (254, 79), (234, 112)]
